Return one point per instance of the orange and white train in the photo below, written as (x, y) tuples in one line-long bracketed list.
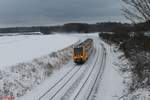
[(82, 51)]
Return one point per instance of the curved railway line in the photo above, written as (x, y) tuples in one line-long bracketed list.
[(76, 83), (73, 71), (97, 66), (94, 88), (91, 90), (83, 85)]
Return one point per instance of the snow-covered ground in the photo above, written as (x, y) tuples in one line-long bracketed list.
[(17, 49), (98, 77), (111, 86), (27, 60)]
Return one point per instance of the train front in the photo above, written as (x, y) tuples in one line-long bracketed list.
[(78, 55)]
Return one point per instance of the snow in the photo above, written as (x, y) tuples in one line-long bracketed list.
[(111, 86), (40, 90), (22, 48), (17, 49), (56, 76), (40, 55), (18, 79)]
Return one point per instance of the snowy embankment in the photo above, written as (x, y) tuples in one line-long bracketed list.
[(119, 78), (26, 61), (111, 85)]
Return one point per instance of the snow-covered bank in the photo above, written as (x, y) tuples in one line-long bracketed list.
[(17, 80), (111, 85), (140, 94), (16, 49)]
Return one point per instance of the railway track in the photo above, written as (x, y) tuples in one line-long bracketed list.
[(95, 86), (64, 84), (77, 82), (71, 71), (61, 83), (78, 96), (58, 88), (57, 82), (74, 84)]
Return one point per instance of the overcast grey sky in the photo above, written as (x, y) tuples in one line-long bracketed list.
[(55, 12)]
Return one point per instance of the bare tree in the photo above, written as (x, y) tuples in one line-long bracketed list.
[(137, 10)]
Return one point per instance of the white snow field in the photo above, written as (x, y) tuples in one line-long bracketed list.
[(97, 79), (24, 48)]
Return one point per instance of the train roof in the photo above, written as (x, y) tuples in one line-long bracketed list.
[(83, 43), (87, 40)]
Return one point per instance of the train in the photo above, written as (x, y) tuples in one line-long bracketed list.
[(82, 51)]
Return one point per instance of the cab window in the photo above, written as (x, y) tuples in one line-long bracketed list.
[(78, 50)]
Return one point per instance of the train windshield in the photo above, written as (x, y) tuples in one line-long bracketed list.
[(78, 50)]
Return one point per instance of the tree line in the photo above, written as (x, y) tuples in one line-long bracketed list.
[(72, 27), (115, 27)]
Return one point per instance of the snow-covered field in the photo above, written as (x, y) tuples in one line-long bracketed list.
[(27, 60), (23, 48)]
